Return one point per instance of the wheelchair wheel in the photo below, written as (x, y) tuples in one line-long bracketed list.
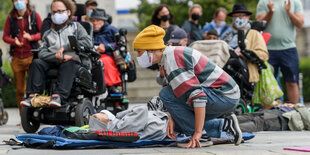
[(5, 117), (29, 124), (241, 107), (83, 112)]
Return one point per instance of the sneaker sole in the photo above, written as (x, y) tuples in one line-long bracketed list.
[(238, 130), (54, 104), (25, 104)]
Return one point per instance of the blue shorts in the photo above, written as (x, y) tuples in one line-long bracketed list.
[(288, 62)]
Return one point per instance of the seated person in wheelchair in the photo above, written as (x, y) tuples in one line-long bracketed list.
[(57, 53), (104, 41), (253, 39)]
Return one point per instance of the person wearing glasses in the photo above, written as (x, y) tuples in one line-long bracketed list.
[(57, 53), (254, 40), (22, 31)]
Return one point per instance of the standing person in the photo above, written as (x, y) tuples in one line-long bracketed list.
[(218, 23), (56, 53), (191, 26), (90, 6), (283, 16), (163, 18), (198, 91), (22, 31), (104, 39)]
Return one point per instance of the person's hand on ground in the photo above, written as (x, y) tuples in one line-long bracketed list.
[(170, 128), (194, 142), (27, 36), (17, 42), (59, 54)]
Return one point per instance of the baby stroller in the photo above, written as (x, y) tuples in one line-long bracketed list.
[(4, 80)]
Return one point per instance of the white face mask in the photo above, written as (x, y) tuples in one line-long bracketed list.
[(145, 60), (220, 23), (60, 18), (240, 23)]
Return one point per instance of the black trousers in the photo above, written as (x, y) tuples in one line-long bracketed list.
[(65, 78)]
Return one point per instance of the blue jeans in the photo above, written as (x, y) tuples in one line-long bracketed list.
[(184, 116)]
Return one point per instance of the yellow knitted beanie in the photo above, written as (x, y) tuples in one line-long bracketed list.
[(150, 38)]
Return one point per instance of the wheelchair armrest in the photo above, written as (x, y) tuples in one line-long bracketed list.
[(35, 53), (95, 53)]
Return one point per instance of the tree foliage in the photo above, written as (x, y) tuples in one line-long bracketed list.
[(179, 9), (5, 7)]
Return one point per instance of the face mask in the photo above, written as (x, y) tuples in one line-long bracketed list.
[(220, 23), (144, 60), (90, 12), (60, 18), (195, 16), (19, 5), (165, 18), (240, 23)]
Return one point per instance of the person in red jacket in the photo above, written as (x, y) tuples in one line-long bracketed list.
[(22, 31)]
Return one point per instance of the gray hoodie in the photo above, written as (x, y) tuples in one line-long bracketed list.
[(147, 124), (53, 40)]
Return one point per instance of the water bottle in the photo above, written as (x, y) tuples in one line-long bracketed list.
[(301, 98)]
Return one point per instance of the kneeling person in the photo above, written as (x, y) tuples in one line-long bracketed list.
[(57, 53), (198, 91)]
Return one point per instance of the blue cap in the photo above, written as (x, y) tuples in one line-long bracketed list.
[(177, 35)]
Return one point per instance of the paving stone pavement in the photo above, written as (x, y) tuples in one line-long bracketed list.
[(271, 142)]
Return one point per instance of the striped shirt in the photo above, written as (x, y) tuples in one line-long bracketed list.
[(187, 71)]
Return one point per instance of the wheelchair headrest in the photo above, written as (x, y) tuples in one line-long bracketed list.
[(88, 27), (80, 11)]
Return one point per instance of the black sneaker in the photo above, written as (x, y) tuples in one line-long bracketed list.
[(55, 101), (113, 90), (27, 101), (231, 126)]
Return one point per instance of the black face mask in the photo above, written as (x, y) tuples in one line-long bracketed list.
[(165, 18), (195, 16)]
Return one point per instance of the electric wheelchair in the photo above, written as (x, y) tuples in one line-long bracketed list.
[(78, 107), (88, 94)]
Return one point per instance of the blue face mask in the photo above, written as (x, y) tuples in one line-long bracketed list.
[(20, 5), (90, 11)]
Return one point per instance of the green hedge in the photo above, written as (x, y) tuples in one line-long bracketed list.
[(9, 91), (305, 70)]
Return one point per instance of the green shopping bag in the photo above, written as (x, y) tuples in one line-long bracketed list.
[(267, 88)]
